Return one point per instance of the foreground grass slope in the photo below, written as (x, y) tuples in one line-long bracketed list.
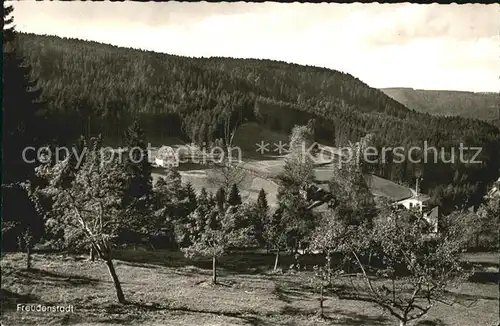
[(166, 289)]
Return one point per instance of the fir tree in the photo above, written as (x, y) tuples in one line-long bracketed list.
[(173, 184), (262, 204), (220, 197), (262, 215), (172, 207), (203, 197), (234, 198), (192, 201), (22, 110), (205, 201), (21, 128), (137, 164)]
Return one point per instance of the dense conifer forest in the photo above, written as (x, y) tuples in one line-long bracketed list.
[(91, 88), (484, 106)]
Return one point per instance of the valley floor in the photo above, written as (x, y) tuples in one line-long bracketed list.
[(165, 289)]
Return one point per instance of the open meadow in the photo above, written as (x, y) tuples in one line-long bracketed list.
[(164, 288)]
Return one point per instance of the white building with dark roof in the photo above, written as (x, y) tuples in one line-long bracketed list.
[(167, 157), (415, 201)]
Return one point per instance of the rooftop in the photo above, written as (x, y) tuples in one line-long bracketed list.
[(419, 197), (381, 187)]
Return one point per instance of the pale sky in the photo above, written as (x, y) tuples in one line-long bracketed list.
[(452, 47)]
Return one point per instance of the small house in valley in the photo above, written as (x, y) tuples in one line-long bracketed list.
[(416, 201), (167, 157)]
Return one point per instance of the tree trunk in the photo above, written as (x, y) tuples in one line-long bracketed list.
[(329, 267), (88, 127), (214, 270), (277, 259), (116, 282), (321, 299), (92, 254), (28, 258), (402, 323), (393, 289)]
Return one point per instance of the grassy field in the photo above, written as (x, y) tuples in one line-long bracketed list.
[(259, 174), (268, 165), (165, 289), (200, 177)]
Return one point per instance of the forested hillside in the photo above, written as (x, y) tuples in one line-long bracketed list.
[(484, 106), (93, 88)]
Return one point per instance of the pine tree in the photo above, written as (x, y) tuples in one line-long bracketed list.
[(205, 201), (21, 128), (262, 204), (137, 164), (234, 197), (203, 197), (173, 184), (8, 32), (220, 197), (192, 201), (22, 109), (172, 207), (262, 215)]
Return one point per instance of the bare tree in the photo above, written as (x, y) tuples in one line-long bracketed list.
[(225, 175), (229, 130), (413, 271), (227, 171), (26, 242), (91, 204)]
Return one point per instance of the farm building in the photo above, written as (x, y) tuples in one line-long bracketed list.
[(167, 157), (417, 200), (404, 197)]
